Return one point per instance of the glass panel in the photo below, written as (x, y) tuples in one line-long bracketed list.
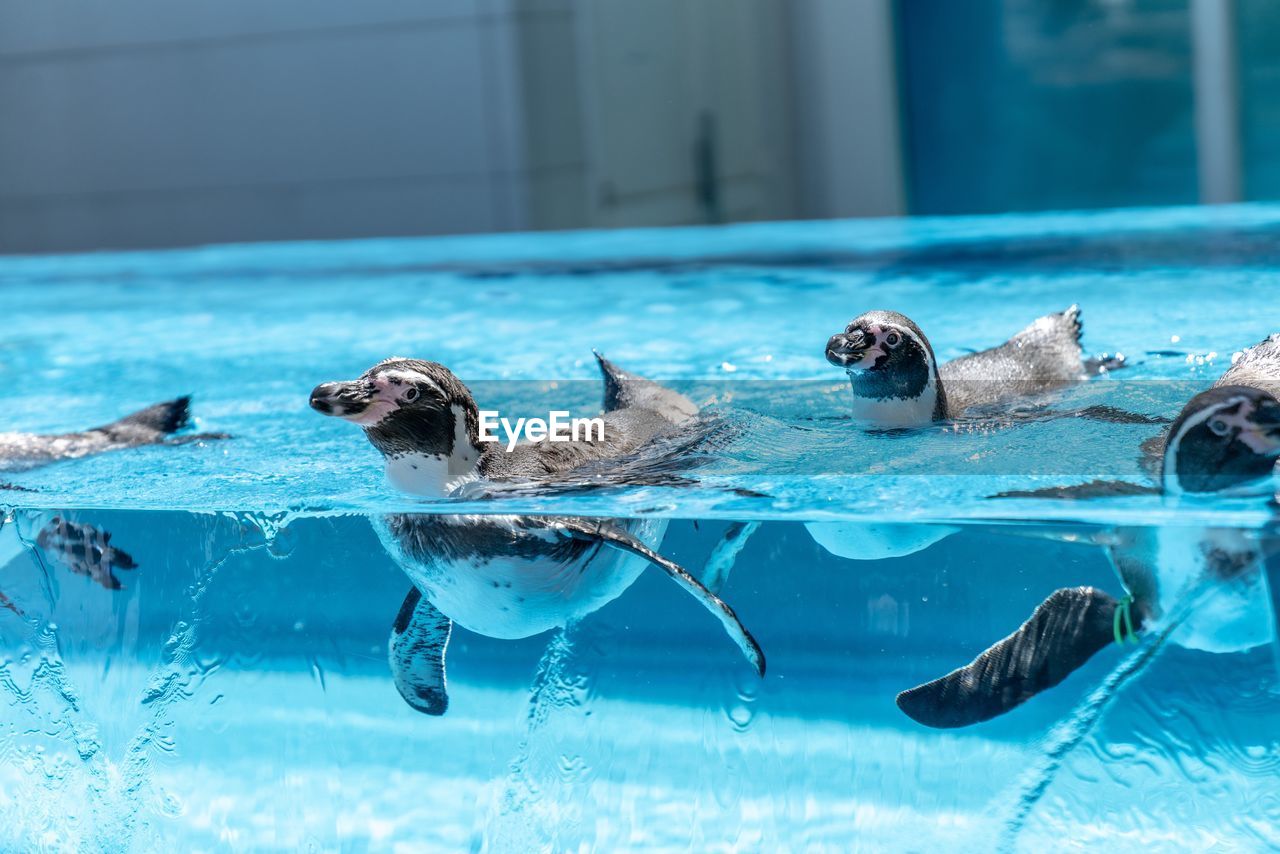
[(1259, 27), (1029, 105)]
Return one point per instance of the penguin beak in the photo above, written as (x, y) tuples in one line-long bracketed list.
[(349, 400), (846, 348)]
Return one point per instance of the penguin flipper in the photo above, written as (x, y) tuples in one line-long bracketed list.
[(416, 651), (155, 424), (723, 556), (1115, 415), (1098, 365), (610, 534), (1062, 634), (1083, 491), (1062, 532)]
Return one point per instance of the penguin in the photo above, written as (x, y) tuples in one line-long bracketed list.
[(503, 576), (81, 547), (897, 382), (155, 425), (1206, 588)]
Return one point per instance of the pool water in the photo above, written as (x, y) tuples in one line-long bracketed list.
[(235, 693)]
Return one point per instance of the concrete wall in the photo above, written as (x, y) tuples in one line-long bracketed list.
[(155, 123), (848, 141), (152, 123)]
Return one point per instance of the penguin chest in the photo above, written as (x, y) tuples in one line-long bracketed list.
[(430, 475), (1233, 614), (501, 580), (862, 541), (891, 413)]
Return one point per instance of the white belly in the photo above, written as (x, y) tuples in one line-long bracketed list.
[(512, 597), (1235, 614), (875, 541), (894, 413)]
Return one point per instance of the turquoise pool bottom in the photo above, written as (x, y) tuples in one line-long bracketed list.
[(235, 696)]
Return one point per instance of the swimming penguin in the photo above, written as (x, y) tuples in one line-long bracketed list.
[(1207, 588), (898, 383), (81, 547), (155, 425), (503, 576)]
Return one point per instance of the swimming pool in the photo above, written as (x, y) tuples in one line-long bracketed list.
[(235, 694)]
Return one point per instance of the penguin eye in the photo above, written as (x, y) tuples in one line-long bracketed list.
[(893, 339), (1218, 426), (411, 394)]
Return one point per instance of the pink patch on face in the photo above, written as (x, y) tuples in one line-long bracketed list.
[(385, 401), (869, 356), (373, 413), (1255, 439)]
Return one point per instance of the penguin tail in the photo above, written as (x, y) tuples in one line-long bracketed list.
[(1064, 632), (624, 390), (615, 382), (161, 418), (1072, 318), (156, 424)]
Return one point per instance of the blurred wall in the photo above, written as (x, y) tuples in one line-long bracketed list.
[(158, 123), (1027, 105), (141, 123), (848, 142), (151, 123)]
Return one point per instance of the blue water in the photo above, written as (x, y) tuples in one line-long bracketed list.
[(234, 695)]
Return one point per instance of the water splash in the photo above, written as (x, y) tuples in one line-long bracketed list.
[(541, 803), (181, 673)]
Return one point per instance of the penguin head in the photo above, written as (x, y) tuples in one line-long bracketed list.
[(406, 406), (885, 354), (1224, 438)]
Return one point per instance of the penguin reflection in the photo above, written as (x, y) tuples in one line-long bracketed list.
[(79, 546)]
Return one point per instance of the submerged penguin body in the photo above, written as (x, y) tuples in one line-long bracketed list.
[(511, 576), (504, 576), (1205, 588)]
